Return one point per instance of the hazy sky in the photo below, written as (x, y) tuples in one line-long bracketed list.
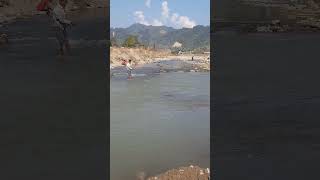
[(174, 13)]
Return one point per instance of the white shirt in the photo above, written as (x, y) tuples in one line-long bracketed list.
[(128, 66), (59, 17)]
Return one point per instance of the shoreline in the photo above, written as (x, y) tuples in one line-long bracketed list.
[(21, 10), (162, 60), (182, 173)]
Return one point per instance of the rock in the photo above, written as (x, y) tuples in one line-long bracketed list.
[(192, 71), (263, 29)]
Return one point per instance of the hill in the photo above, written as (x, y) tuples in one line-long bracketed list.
[(164, 37)]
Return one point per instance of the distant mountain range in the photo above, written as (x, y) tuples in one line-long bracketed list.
[(165, 37)]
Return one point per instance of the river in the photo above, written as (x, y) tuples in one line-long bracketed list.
[(53, 115), (266, 119), (158, 123)]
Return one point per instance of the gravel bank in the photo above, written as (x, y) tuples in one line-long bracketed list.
[(184, 173), (160, 59)]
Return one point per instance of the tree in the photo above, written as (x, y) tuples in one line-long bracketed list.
[(131, 41)]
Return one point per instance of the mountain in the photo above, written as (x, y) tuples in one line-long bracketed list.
[(165, 37)]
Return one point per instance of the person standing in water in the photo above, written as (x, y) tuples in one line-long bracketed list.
[(49, 8), (129, 69), (46, 6), (60, 26)]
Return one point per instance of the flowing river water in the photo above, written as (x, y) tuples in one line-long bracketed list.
[(158, 123)]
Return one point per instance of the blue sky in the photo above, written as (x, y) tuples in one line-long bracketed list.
[(173, 13)]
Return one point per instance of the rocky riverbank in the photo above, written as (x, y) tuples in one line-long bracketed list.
[(163, 60), (305, 25), (183, 173), (295, 16), (12, 9)]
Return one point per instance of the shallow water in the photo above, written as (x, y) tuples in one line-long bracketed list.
[(158, 123), (266, 106), (53, 118)]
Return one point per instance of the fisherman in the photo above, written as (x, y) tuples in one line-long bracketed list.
[(49, 8), (46, 6), (60, 25), (129, 69), (123, 62)]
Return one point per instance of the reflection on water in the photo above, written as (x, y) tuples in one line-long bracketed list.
[(159, 123)]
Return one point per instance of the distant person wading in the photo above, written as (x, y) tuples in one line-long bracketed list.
[(60, 23), (129, 68), (60, 26)]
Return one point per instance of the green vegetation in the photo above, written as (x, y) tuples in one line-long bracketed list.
[(164, 37), (131, 41)]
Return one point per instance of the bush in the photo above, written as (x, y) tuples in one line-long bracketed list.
[(131, 41)]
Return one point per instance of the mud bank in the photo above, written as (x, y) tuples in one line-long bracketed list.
[(183, 173)]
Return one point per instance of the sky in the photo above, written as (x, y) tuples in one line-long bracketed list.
[(173, 13)]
